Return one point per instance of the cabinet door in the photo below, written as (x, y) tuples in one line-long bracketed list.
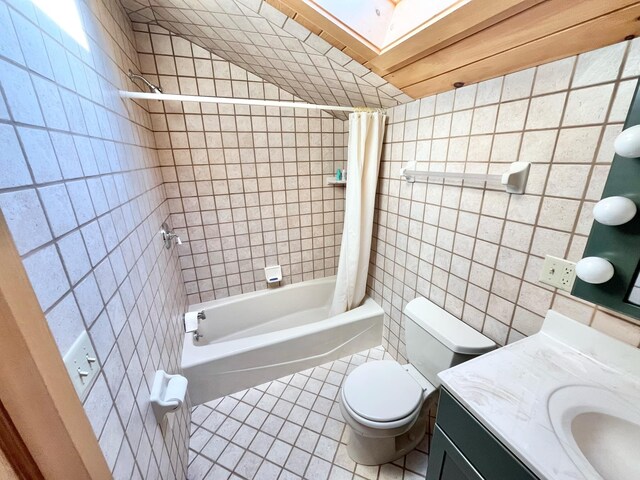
[(480, 447), (446, 462)]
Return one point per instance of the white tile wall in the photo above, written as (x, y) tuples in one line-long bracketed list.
[(478, 252), (246, 185), (87, 180), (82, 192), (262, 40)]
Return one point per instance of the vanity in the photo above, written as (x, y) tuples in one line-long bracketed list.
[(563, 404), (461, 448)]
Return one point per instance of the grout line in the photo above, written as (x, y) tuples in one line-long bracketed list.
[(310, 374)]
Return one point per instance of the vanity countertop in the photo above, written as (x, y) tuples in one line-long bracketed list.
[(508, 389)]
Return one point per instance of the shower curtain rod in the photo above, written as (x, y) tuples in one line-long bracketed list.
[(241, 101)]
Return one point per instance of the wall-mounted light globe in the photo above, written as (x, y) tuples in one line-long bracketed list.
[(627, 143), (594, 270), (614, 211)]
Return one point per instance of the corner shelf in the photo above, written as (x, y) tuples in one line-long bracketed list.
[(337, 183)]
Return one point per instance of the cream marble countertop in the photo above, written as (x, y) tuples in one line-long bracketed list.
[(507, 390)]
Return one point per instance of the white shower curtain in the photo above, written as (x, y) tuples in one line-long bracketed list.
[(365, 147)]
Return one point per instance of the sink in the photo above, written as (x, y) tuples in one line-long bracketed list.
[(599, 430)]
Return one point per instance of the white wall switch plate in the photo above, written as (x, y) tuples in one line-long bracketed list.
[(558, 272), (82, 364)]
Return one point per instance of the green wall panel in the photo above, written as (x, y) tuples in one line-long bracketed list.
[(620, 245)]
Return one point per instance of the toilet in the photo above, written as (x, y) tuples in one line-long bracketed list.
[(385, 404)]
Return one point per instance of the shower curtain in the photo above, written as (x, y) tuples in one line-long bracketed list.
[(366, 130)]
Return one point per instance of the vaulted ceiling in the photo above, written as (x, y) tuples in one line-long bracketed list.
[(468, 40), (259, 38)]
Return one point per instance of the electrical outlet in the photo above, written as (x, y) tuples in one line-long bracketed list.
[(82, 364), (558, 272)]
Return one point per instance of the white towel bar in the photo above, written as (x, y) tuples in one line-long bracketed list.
[(514, 180)]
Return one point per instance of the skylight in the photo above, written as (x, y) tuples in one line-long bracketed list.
[(381, 23)]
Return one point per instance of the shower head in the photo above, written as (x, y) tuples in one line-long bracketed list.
[(152, 88)]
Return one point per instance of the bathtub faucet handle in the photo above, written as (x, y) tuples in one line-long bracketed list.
[(201, 315), (168, 236), (197, 336)]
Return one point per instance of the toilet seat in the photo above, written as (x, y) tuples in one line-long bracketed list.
[(382, 394), (387, 406)]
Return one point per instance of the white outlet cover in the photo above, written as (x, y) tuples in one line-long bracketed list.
[(76, 360), (558, 272)]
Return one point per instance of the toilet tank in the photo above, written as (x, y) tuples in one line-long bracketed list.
[(436, 340)]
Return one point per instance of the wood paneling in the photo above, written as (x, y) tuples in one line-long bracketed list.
[(467, 18), (17, 458), (307, 24), (535, 23), (325, 36), (289, 12), (482, 39), (36, 390), (355, 55), (345, 38), (605, 30), (7, 471)]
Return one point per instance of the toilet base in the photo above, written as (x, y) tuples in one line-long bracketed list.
[(378, 450)]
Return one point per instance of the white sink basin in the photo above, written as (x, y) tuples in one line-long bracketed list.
[(599, 430)]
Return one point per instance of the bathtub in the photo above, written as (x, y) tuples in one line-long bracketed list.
[(257, 337)]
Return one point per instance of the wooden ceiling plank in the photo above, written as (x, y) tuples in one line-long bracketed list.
[(537, 22), (358, 45), (357, 57), (595, 33), (289, 12), (332, 40), (307, 24), (468, 19)]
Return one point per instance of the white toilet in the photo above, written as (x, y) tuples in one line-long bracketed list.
[(384, 403)]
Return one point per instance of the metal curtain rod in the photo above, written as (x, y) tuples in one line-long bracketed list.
[(514, 180), (241, 101)]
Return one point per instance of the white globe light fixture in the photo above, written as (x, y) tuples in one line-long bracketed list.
[(627, 143), (614, 211), (594, 270)]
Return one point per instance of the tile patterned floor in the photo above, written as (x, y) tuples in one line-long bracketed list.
[(290, 428)]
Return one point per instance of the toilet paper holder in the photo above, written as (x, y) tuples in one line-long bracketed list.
[(167, 393)]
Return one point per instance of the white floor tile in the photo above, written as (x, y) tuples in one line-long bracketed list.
[(288, 429)]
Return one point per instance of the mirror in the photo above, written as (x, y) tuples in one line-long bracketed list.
[(613, 239), (634, 293)]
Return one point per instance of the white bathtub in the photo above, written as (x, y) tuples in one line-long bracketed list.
[(256, 337)]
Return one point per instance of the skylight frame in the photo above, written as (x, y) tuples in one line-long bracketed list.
[(337, 13)]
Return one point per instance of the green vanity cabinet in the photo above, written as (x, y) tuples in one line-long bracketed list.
[(462, 449), (446, 462)]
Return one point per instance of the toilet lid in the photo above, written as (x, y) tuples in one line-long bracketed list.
[(382, 391)]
